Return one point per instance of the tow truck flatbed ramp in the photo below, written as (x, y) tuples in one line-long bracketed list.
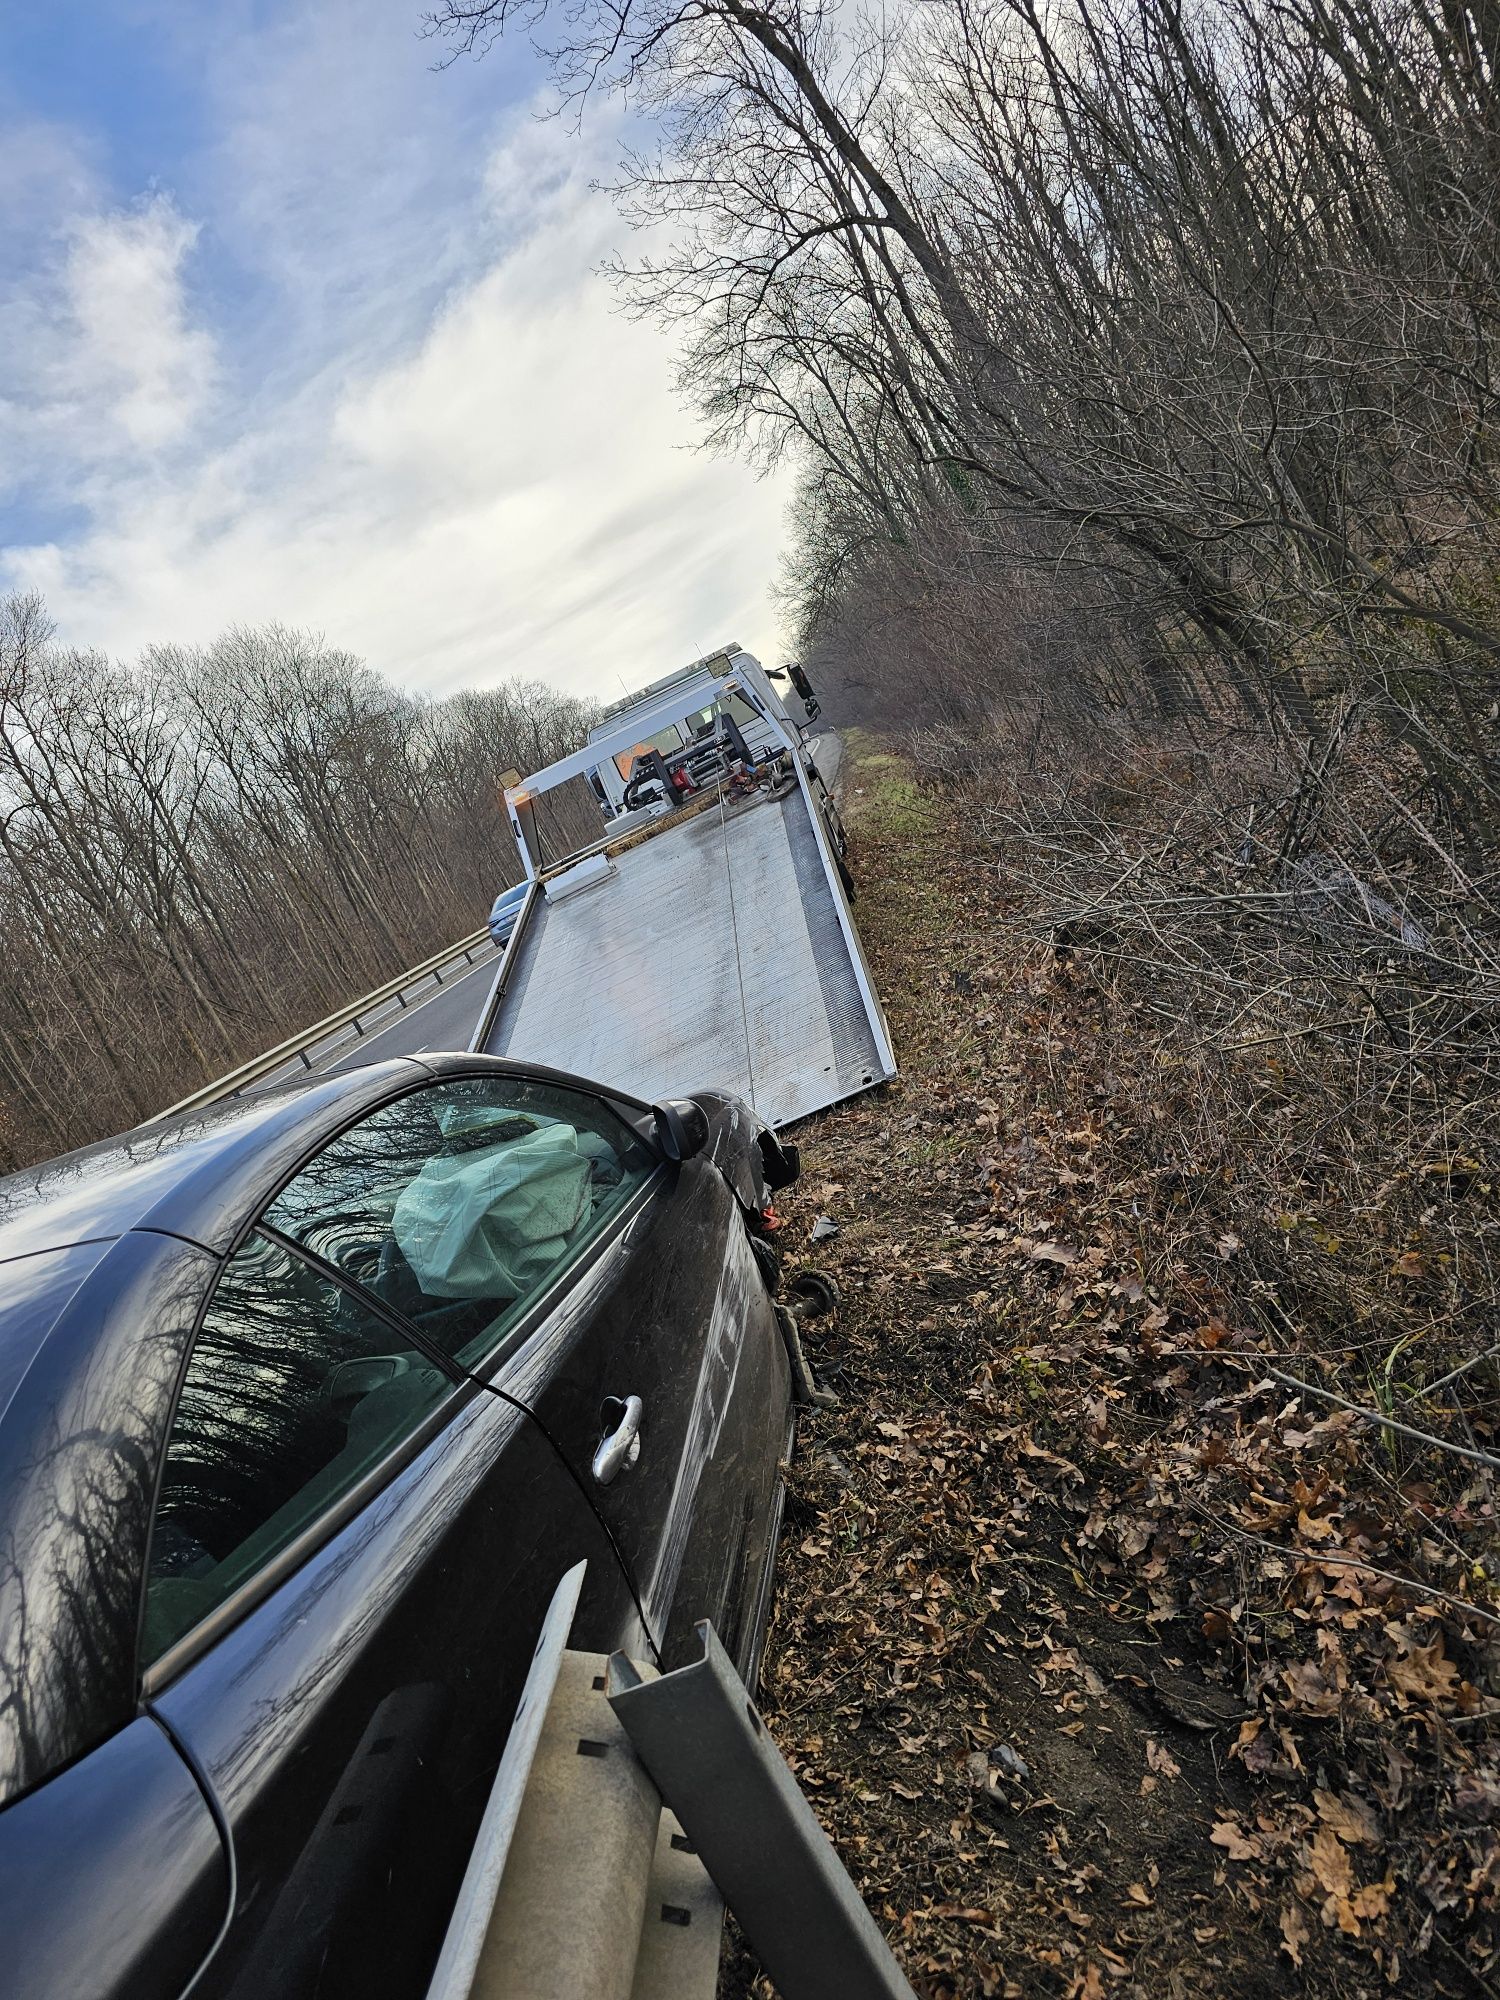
[(716, 952)]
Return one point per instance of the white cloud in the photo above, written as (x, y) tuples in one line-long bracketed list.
[(44, 173), (102, 362), (129, 351), (504, 488)]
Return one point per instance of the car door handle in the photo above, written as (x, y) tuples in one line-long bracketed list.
[(621, 1447)]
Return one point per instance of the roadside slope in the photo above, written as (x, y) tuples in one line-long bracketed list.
[(1072, 1726)]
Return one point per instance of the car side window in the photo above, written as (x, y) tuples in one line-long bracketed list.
[(294, 1390), (457, 1204)]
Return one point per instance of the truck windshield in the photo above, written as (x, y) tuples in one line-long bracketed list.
[(665, 740)]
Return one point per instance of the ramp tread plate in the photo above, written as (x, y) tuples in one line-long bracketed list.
[(713, 959)]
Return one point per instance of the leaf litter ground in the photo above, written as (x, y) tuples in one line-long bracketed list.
[(1089, 1652)]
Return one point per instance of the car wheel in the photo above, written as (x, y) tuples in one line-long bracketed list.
[(814, 1294)]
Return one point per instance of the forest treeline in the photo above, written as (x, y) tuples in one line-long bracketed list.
[(1138, 354), (208, 848)]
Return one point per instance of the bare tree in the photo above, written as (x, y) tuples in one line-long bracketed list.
[(205, 850)]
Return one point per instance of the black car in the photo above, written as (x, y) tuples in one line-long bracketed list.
[(306, 1403)]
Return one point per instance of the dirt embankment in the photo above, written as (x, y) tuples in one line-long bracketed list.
[(1092, 1647)]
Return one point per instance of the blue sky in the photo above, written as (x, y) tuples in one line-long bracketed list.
[(293, 326)]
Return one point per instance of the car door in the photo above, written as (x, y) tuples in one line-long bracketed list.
[(530, 1226), (659, 1371), (681, 1320), (353, 1549)]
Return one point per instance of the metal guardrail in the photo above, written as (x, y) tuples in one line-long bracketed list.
[(628, 1808), (299, 1046)]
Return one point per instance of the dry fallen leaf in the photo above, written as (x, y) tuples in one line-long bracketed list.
[(1294, 1933), (1253, 1746), (1161, 1760), (1477, 1795), (1308, 1689), (1237, 1844), (1350, 1818), (1053, 1253), (1314, 1527), (1424, 1674), (1374, 1899), (1329, 1861)]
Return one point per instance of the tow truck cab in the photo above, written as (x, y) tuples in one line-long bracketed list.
[(751, 720)]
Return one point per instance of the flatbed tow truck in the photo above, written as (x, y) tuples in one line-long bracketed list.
[(705, 939)]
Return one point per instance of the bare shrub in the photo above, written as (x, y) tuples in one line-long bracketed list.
[(1322, 979)]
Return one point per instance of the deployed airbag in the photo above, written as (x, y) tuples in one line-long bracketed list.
[(488, 1222)]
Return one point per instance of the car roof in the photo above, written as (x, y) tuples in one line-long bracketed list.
[(191, 1175)]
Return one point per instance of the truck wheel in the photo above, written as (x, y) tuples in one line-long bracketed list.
[(845, 877)]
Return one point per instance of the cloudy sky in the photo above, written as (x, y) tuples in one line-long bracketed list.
[(293, 327)]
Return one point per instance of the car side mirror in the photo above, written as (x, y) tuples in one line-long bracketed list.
[(681, 1127)]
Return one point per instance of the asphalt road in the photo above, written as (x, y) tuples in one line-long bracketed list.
[(827, 752), (445, 1021)]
